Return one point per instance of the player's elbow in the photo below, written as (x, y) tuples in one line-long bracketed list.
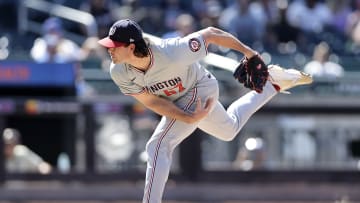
[(210, 31), (226, 136), (211, 34)]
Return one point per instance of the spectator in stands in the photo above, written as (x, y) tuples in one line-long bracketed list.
[(172, 9), (207, 12), (19, 158), (8, 15), (185, 24), (149, 3), (321, 66), (309, 15), (251, 156), (52, 46), (353, 24), (269, 10), (102, 12), (340, 11), (282, 32), (240, 19), (95, 56), (300, 149)]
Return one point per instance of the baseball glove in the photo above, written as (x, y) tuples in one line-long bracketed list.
[(253, 73)]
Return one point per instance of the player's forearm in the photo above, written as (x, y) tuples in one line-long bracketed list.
[(169, 109), (164, 107), (221, 38)]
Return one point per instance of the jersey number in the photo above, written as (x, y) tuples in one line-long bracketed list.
[(176, 89)]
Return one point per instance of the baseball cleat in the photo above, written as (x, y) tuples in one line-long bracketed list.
[(284, 79)]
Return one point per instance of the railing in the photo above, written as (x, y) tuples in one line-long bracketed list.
[(52, 9)]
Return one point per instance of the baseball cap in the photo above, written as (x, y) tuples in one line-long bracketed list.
[(52, 24), (122, 32)]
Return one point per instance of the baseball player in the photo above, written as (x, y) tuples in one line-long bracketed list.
[(166, 77)]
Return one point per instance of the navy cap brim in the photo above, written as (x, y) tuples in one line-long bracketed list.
[(108, 43)]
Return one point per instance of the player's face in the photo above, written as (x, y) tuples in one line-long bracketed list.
[(119, 54)]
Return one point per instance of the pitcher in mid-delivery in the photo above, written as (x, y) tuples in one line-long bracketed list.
[(166, 77)]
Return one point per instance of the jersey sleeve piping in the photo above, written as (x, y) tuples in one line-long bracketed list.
[(206, 48)]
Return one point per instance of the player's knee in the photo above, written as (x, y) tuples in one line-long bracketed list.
[(228, 137), (225, 136), (150, 147), (155, 146), (155, 150)]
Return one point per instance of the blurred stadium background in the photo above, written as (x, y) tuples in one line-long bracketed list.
[(76, 139)]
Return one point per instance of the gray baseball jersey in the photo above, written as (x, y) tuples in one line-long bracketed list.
[(173, 71), (175, 74)]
